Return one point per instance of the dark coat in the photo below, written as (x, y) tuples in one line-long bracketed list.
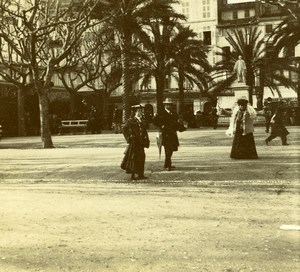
[(169, 125), (137, 138), (277, 125)]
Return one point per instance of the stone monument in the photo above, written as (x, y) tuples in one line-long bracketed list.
[(239, 87)]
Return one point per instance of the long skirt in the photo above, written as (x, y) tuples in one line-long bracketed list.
[(134, 159), (243, 146)]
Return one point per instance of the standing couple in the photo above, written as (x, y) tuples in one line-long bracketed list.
[(137, 138)]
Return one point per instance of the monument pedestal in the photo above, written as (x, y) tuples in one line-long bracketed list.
[(240, 89)]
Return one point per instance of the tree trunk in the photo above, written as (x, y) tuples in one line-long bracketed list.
[(250, 81), (181, 92), (45, 120), (260, 90), (250, 91), (21, 112), (160, 86), (126, 81)]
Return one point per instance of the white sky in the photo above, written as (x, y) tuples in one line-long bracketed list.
[(239, 1)]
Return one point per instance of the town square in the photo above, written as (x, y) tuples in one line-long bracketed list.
[(149, 135)]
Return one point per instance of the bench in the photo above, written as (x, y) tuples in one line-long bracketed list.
[(73, 126)]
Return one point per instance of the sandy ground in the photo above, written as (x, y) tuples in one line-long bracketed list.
[(73, 209)]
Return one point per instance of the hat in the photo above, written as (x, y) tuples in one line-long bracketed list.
[(242, 100), (168, 101), (269, 99)]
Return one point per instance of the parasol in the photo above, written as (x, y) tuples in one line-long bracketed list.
[(159, 142)]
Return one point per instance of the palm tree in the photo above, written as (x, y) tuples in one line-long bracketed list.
[(125, 23), (188, 61), (249, 44), (286, 36), (159, 23)]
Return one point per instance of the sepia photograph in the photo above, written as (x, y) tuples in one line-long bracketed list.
[(149, 135)]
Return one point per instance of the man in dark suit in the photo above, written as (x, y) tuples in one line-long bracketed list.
[(268, 112), (137, 138), (169, 124)]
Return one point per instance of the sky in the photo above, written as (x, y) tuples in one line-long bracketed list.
[(239, 1)]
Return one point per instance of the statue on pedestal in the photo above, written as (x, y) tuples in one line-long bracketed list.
[(240, 69)]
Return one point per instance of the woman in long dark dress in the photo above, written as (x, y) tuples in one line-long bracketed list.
[(241, 127), (137, 138)]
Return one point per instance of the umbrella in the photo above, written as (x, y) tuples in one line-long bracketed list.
[(159, 142)]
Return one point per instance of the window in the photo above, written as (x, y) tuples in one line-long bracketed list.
[(234, 15), (226, 52), (206, 8), (269, 28), (207, 37), (247, 13), (185, 8)]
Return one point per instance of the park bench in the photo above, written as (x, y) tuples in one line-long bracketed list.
[(73, 126)]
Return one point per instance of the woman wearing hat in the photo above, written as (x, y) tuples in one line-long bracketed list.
[(241, 127), (169, 124), (137, 138)]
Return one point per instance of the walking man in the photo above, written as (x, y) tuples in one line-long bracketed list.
[(278, 128), (268, 113), (169, 124)]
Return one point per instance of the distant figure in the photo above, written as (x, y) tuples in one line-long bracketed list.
[(214, 117), (117, 120), (91, 125), (268, 113), (278, 128), (240, 69), (55, 124), (85, 110)]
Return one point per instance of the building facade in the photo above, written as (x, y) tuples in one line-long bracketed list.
[(213, 21)]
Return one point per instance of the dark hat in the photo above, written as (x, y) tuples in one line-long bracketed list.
[(168, 101), (269, 99)]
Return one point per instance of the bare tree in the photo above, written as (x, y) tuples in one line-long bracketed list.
[(42, 40), (86, 64), (12, 68)]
